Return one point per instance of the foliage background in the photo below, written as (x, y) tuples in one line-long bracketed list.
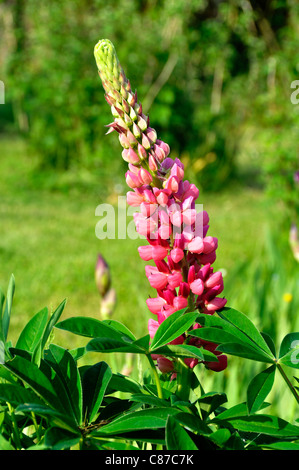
[(215, 77)]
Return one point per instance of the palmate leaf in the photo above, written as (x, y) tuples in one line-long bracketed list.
[(242, 323), (235, 334), (62, 362), (54, 402), (46, 383)]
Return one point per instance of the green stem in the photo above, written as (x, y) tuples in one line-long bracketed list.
[(156, 376), (287, 381), (183, 378), (15, 427), (36, 426)]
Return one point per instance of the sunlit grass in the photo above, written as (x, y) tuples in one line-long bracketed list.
[(48, 241)]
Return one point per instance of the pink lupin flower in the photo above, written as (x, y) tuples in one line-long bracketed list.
[(177, 238)]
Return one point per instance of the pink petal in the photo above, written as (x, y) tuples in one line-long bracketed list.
[(153, 325), (155, 304), (210, 244), (196, 245), (216, 304), (177, 254), (197, 287)]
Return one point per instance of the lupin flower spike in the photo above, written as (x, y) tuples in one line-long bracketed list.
[(178, 245)]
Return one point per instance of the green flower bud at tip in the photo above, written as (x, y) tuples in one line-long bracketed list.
[(105, 55)]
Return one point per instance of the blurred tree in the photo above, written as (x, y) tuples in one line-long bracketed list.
[(214, 75)]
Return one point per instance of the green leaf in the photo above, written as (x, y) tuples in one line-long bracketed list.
[(119, 327), (209, 402), (55, 417), (7, 311), (52, 322), (114, 445), (78, 353), (180, 350), (270, 343), (36, 379), (149, 400), (172, 327), (94, 382), (151, 418), (259, 388), (110, 345), (220, 437), (93, 328), (289, 350), (193, 423), (17, 395), (61, 439), (215, 335), (246, 351), (106, 338), (264, 424), (32, 334), (289, 342), (4, 444), (64, 365), (282, 445), (234, 412), (124, 384), (177, 437), (244, 325)]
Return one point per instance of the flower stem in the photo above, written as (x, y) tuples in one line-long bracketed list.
[(287, 381), (183, 378), (156, 376), (15, 427)]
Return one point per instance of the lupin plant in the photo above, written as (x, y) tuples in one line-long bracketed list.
[(176, 232)]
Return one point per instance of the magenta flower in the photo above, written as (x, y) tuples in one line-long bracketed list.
[(178, 244)]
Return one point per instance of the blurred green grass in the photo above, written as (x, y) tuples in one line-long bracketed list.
[(48, 241), (48, 237)]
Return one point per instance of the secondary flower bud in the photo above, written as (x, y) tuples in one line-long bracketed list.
[(102, 275)]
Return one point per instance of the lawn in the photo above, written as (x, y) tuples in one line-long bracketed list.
[(48, 238)]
